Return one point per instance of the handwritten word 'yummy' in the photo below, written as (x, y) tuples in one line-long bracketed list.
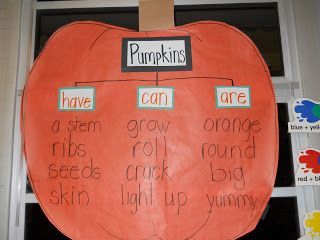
[(232, 200)]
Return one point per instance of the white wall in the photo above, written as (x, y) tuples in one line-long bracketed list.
[(307, 19), (308, 41), (9, 35)]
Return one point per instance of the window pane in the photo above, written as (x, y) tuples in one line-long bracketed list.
[(279, 222), (259, 21), (28, 187), (48, 21), (37, 226)]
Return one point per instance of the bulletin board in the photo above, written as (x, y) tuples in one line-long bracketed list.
[(168, 134)]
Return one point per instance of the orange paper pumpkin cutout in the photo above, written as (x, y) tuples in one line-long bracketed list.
[(196, 171)]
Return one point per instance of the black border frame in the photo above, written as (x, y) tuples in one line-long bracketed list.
[(187, 67)]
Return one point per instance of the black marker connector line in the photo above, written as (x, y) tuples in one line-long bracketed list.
[(156, 81), (201, 227), (118, 238)]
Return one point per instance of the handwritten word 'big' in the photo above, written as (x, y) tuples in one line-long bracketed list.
[(235, 175)]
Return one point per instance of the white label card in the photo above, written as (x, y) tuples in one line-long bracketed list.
[(306, 114), (156, 54), (76, 99), (233, 97), (155, 98), (308, 172)]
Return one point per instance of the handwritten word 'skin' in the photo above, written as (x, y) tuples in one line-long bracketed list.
[(156, 54), (76, 99)]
